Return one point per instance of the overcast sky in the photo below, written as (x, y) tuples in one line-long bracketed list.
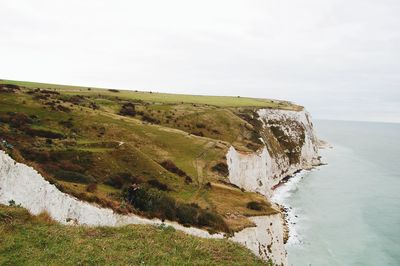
[(339, 58)]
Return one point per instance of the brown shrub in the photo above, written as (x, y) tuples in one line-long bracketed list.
[(20, 119), (9, 88), (44, 217), (159, 185), (254, 205), (216, 132), (171, 167), (35, 155), (67, 123), (43, 133), (49, 92), (70, 166), (188, 180), (128, 109), (207, 185), (92, 187), (76, 99), (5, 118), (120, 179), (197, 133), (200, 125), (150, 119), (221, 168), (63, 108)]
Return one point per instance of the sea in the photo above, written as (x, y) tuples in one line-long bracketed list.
[(348, 211)]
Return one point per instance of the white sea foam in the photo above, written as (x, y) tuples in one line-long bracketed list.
[(281, 196)]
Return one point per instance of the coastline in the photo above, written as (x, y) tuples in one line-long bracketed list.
[(280, 196), (281, 193)]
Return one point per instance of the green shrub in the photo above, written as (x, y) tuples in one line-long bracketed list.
[(67, 123), (157, 203), (36, 155), (186, 214), (92, 187), (159, 185), (75, 177), (200, 125), (128, 109), (81, 158), (120, 179), (254, 205), (43, 133), (171, 167), (211, 219), (20, 119), (221, 168), (150, 119)]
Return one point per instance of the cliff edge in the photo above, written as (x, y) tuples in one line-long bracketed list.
[(205, 165), (290, 145)]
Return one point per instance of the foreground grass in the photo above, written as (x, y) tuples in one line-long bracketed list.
[(36, 240)]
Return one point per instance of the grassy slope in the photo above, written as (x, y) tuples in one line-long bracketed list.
[(95, 134), (38, 241)]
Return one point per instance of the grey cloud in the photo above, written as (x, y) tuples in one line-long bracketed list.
[(341, 59)]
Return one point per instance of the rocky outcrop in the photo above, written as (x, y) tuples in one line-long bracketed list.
[(290, 146)]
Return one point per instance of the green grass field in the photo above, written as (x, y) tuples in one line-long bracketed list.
[(222, 101), (73, 135), (36, 240)]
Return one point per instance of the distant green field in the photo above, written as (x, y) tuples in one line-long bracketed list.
[(223, 101)]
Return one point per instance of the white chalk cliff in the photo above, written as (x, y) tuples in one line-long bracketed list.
[(265, 239), (25, 186), (290, 146), (262, 171), (258, 172)]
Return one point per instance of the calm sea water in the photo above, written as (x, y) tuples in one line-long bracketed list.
[(348, 212)]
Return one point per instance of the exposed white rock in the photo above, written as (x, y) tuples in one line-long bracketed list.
[(253, 171), (262, 171), (258, 172), (266, 239), (25, 186), (309, 151)]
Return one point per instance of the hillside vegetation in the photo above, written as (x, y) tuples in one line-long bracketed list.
[(154, 154), (37, 240)]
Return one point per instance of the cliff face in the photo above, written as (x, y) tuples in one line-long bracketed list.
[(290, 145), (265, 239), (26, 187)]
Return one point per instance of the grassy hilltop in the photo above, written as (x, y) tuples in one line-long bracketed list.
[(98, 144)]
